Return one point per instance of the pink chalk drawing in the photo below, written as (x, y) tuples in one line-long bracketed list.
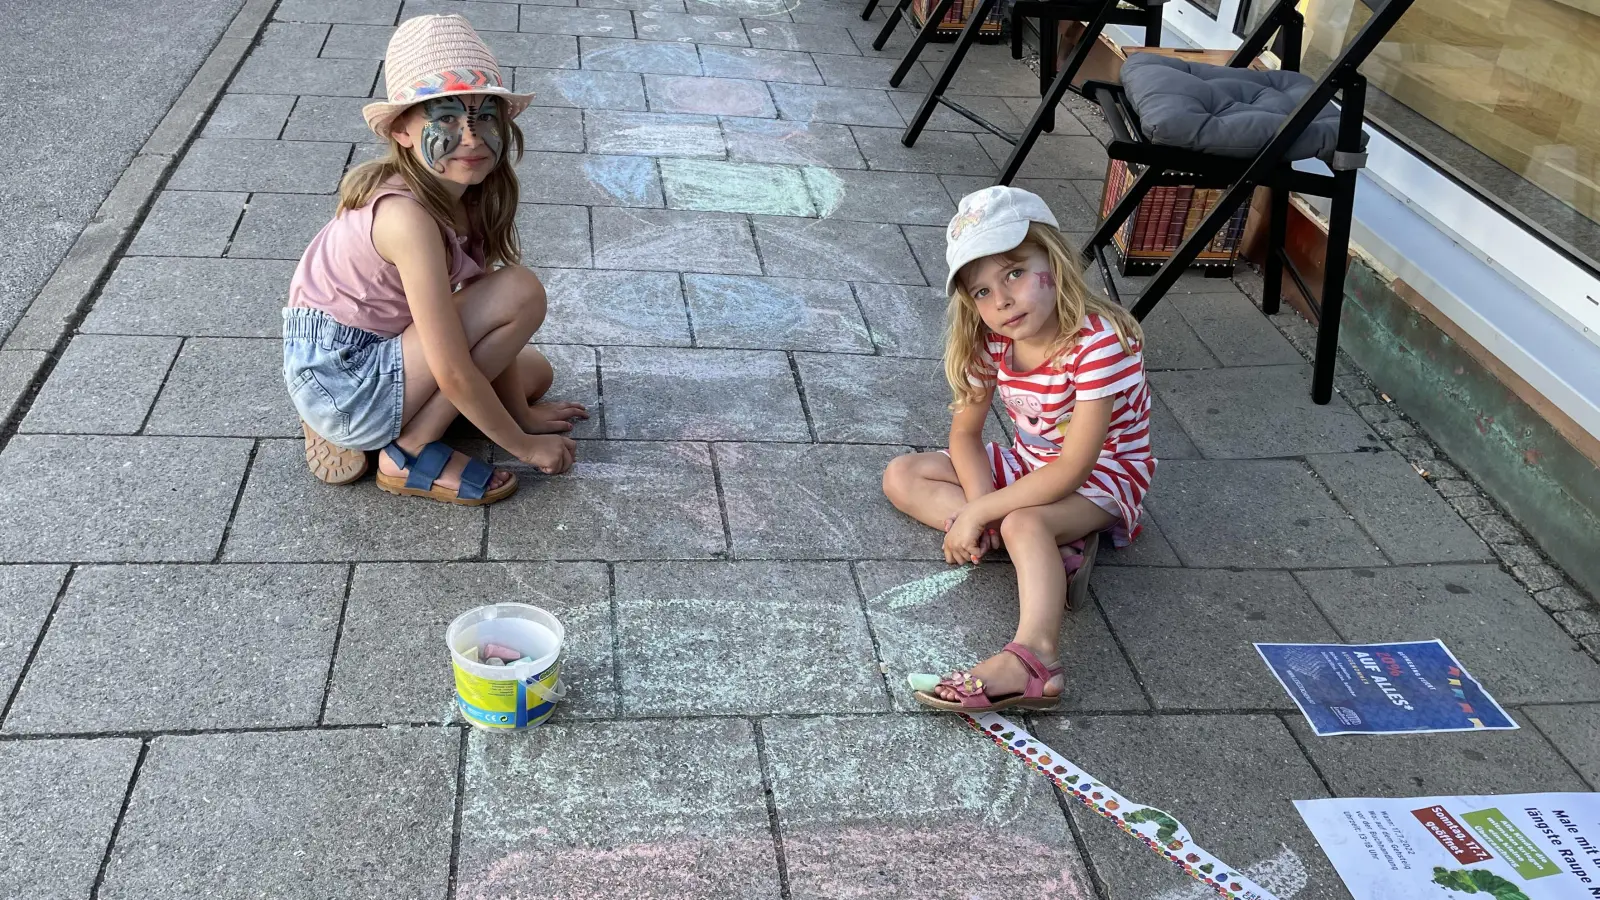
[(1160, 831)]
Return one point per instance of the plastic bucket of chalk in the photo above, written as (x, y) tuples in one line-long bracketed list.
[(507, 660)]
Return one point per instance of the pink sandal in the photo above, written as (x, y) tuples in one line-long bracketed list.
[(973, 699), (1078, 557)]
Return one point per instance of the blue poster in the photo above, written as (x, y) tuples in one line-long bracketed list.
[(1405, 688)]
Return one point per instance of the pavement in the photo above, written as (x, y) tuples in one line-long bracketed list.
[(223, 679)]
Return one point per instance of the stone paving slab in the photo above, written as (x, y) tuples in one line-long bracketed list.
[(621, 500), (297, 167), (653, 134), (815, 501), (745, 621), (196, 297), (1256, 514), (826, 248), (905, 321), (134, 513), (801, 143), (592, 179), (594, 22), (249, 115), (1256, 412), (554, 235), (930, 617), (323, 77), (393, 665), (820, 38), (764, 65), (987, 74), (698, 29), (709, 96), (289, 40), (1151, 548), (1488, 621), (548, 128), (877, 399), (635, 308), (280, 226), (582, 89), (1188, 632), (1235, 330), (329, 119), (184, 647), (369, 41), (874, 814), (287, 515), (913, 91), (1171, 345), (296, 816), (1168, 440), (357, 12), (1575, 732), (701, 395), (1403, 513), (577, 381), (643, 57), (928, 245), (839, 105), (780, 313), (256, 403), (889, 197), (1230, 779), (103, 384), (736, 187), (491, 17), (673, 241), (1433, 765), (840, 68), (27, 594), (56, 846), (189, 223), (663, 808)]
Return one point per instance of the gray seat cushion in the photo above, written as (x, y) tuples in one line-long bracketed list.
[(1222, 110)]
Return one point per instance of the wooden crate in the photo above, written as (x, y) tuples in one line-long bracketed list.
[(1164, 219), (956, 19)]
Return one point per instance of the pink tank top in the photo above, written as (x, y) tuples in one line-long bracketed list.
[(343, 275)]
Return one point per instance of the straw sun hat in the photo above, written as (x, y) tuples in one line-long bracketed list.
[(436, 56)]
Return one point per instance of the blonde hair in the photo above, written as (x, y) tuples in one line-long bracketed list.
[(491, 205), (966, 359)]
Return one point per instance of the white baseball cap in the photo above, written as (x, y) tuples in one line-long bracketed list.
[(991, 221)]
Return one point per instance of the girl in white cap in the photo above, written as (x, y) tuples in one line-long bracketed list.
[(1068, 368), (410, 306)]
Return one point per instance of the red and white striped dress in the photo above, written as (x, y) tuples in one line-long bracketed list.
[(1041, 401)]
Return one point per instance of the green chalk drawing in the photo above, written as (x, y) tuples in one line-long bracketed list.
[(735, 187), (923, 590), (826, 189)]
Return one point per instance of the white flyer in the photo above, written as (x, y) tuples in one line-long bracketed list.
[(1495, 847)]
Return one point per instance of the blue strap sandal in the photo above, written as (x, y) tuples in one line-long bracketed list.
[(426, 467)]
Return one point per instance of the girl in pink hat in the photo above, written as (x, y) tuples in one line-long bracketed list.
[(1068, 366), (410, 307)]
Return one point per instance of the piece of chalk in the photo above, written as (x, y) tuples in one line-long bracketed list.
[(495, 661), (499, 650), (921, 681)]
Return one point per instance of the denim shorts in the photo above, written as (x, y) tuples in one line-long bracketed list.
[(348, 384)]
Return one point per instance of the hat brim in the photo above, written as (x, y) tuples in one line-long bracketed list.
[(997, 239), (380, 116)]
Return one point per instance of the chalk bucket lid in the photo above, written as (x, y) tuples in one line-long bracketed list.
[(517, 695)]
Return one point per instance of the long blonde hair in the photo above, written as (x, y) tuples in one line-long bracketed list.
[(491, 205), (966, 359)]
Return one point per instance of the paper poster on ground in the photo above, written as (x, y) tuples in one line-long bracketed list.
[(1412, 687), (1507, 847)]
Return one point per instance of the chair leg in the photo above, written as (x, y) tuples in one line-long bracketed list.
[(1152, 24), (935, 16), (931, 101), (1119, 214), (1049, 38), (1016, 36), (867, 13), (1333, 272), (891, 24), (1277, 231)]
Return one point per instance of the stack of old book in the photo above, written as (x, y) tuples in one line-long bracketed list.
[(1166, 216)]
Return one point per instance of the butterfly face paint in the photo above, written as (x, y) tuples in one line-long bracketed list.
[(450, 119)]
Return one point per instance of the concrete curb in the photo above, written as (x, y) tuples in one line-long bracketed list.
[(28, 352)]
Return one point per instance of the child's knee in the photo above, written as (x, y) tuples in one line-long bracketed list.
[(1023, 525), (897, 478), (528, 293)]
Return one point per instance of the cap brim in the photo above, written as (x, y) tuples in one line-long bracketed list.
[(381, 115), (997, 239)]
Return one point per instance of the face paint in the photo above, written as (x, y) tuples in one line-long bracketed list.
[(450, 118), (1047, 281)]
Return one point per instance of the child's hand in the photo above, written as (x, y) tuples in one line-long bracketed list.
[(547, 418), (551, 454), (966, 539)]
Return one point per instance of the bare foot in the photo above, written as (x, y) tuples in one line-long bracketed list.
[(450, 478), (1002, 675), (550, 418)]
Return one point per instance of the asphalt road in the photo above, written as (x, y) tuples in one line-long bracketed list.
[(85, 82)]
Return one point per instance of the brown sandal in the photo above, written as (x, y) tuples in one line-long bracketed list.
[(423, 469), (330, 462)]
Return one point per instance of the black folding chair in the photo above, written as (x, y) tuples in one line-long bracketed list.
[(1271, 168), (1096, 14)]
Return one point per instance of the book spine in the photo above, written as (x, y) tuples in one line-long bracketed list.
[(1169, 202), (1180, 215)]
